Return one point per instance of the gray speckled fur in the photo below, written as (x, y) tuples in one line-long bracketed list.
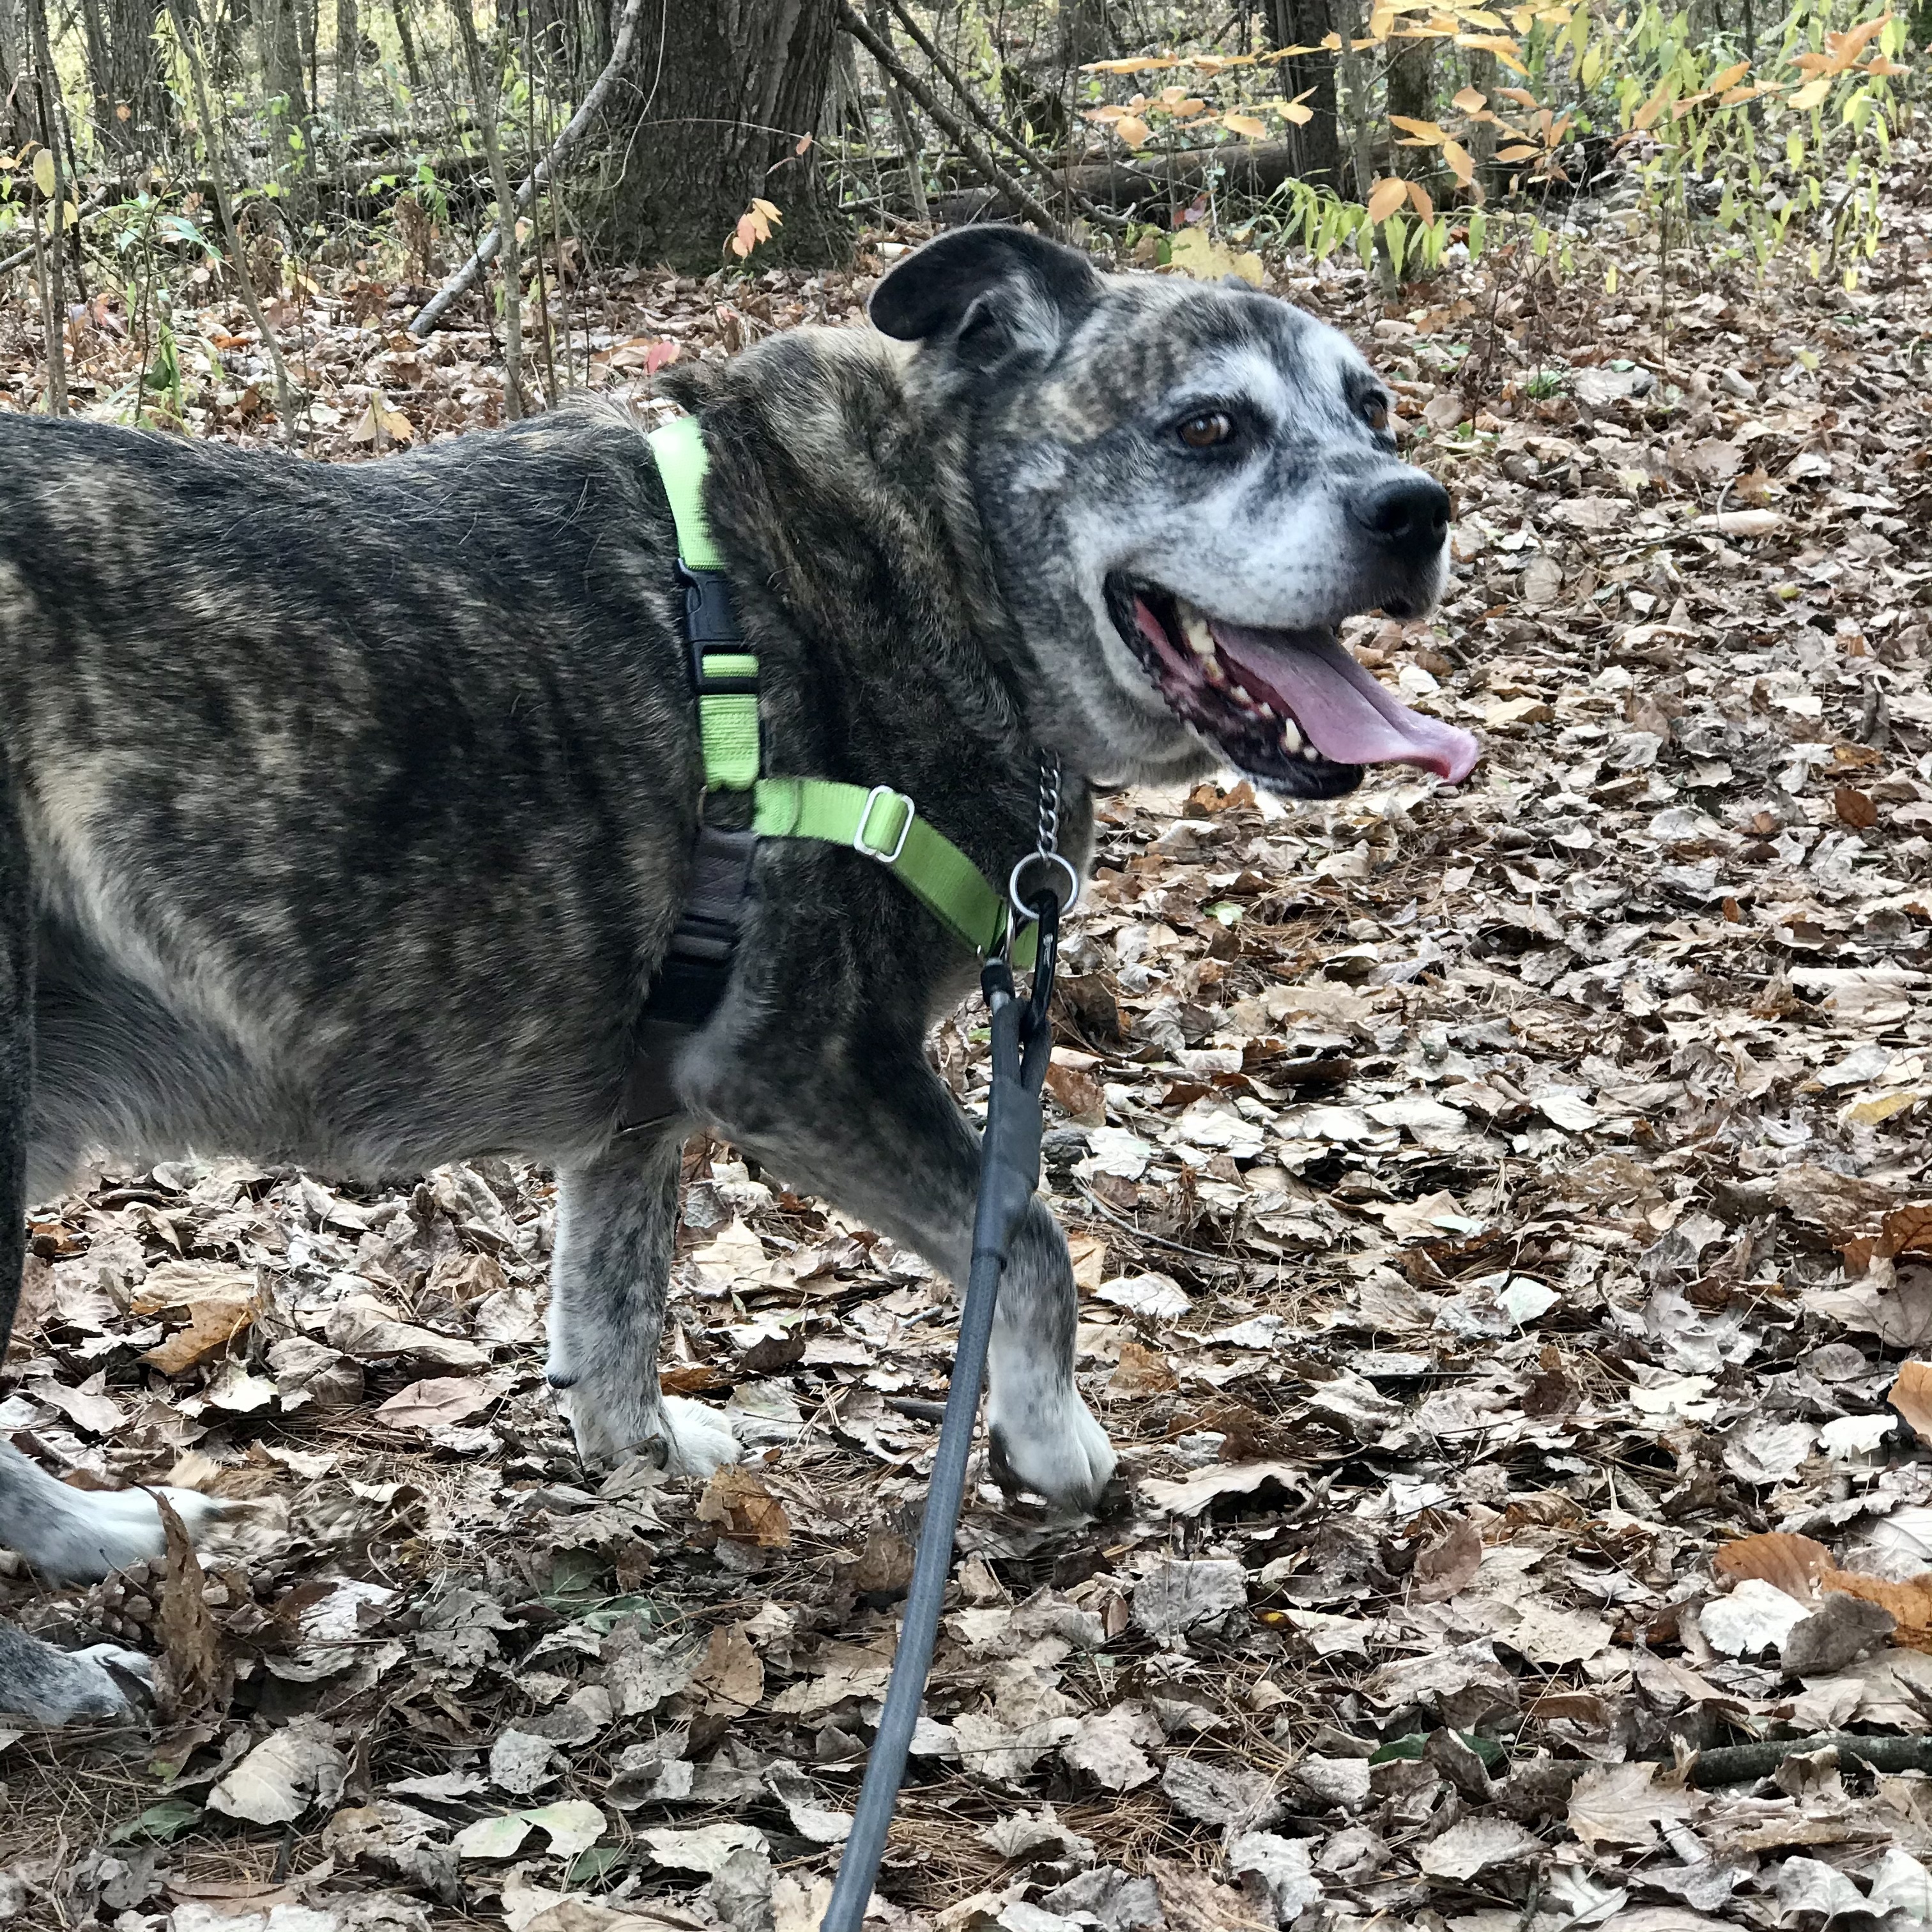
[(345, 812)]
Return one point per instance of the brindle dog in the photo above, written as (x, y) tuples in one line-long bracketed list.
[(344, 813)]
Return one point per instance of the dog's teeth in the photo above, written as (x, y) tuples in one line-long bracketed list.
[(1211, 670), (1291, 735), (1247, 696), (1267, 711), (1194, 628)]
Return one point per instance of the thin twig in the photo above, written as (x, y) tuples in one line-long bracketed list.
[(902, 120), (1732, 1764), (465, 279), (982, 163), (483, 87), (21, 256), (53, 303), (1121, 1221), (190, 47), (991, 122)]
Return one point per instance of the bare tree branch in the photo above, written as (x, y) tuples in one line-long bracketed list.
[(465, 279), (982, 163)]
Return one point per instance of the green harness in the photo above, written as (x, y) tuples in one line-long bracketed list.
[(882, 824)]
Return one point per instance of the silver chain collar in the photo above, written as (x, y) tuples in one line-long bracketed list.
[(1046, 852)]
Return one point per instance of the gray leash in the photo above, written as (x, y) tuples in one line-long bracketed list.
[(1022, 1037)]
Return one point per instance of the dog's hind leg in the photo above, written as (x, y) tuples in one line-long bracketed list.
[(879, 1134), (616, 1226)]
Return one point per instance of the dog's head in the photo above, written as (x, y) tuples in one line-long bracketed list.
[(1185, 488)]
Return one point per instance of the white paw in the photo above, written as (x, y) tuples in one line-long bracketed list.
[(690, 1439), (1047, 1441), (701, 1440)]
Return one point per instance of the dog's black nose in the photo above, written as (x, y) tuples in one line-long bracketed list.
[(1410, 513)]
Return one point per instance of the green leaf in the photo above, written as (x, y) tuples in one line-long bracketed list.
[(587, 1867), (160, 1823)]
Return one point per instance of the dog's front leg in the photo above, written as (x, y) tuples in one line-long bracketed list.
[(883, 1139), (616, 1224)]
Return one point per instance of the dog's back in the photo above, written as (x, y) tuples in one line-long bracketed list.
[(272, 750)]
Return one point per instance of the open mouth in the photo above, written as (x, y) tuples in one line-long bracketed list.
[(1292, 709)]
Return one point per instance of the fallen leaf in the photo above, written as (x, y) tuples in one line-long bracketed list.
[(1911, 1395), (1450, 1563), (1475, 1845), (742, 1506), (292, 1769), (191, 1672), (437, 1403)]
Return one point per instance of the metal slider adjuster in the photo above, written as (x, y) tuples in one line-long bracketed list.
[(860, 843)]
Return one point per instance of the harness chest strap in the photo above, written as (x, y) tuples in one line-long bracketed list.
[(882, 824)]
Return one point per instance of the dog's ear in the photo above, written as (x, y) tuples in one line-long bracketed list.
[(989, 291)]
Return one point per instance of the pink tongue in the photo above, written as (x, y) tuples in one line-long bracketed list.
[(1343, 712)]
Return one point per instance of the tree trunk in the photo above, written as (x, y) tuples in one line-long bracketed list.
[(17, 123), (131, 103), (348, 61), (715, 122), (399, 8), (1305, 23), (1411, 92), (278, 27)]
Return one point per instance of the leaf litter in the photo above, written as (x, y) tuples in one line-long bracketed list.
[(1505, 1243)]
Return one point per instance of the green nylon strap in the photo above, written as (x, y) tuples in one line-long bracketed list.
[(727, 724), (883, 825), (678, 448)]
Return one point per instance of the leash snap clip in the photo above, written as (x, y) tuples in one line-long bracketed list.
[(860, 843)]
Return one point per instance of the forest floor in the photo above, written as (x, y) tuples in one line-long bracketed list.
[(1496, 1211)]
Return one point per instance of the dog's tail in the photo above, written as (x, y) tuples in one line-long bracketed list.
[(17, 1045)]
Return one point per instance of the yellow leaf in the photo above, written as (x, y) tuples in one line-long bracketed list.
[(1460, 165), (43, 171), (1195, 252), (1470, 101), (1519, 153), (1506, 50), (1652, 108), (1133, 131), (1881, 1107), (1811, 94), (1730, 77), (1301, 116), (1419, 196), (770, 213), (1424, 133), (1245, 124), (1386, 196)]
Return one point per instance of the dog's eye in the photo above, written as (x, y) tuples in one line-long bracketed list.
[(1205, 430), (1375, 413)]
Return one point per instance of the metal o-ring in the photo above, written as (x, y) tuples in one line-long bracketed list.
[(1059, 858)]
